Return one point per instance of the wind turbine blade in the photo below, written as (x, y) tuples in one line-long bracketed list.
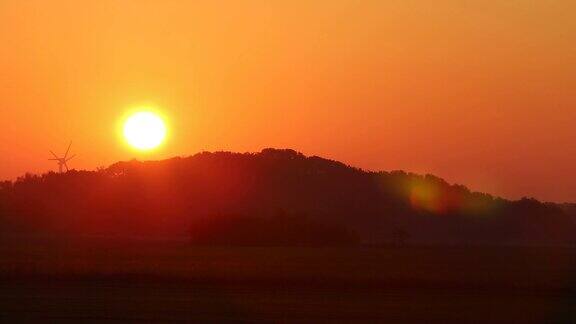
[(68, 150), (53, 159), (70, 158), (56, 156)]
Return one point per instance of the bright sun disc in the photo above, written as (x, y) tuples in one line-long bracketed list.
[(144, 130)]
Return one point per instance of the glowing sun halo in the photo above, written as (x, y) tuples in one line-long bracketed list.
[(144, 130)]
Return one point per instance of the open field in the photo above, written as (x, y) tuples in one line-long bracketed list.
[(176, 282)]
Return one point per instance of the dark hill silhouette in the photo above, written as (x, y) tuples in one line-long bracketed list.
[(272, 197)]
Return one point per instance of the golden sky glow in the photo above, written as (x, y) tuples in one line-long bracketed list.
[(478, 92)]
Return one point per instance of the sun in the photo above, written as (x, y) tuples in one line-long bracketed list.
[(144, 130)]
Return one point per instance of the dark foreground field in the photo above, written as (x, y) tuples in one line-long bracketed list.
[(174, 282)]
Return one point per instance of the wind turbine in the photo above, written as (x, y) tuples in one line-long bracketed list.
[(62, 160)]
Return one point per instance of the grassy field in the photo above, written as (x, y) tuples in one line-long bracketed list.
[(175, 282)]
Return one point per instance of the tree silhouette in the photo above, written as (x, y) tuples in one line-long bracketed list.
[(319, 199)]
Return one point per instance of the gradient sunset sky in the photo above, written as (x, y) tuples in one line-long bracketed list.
[(477, 92)]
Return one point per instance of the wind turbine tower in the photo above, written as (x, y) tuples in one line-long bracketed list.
[(62, 160)]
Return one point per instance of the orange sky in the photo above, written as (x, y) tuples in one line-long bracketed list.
[(477, 92)]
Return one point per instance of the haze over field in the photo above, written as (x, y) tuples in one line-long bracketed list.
[(477, 92)]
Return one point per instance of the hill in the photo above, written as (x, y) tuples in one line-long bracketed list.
[(272, 197)]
